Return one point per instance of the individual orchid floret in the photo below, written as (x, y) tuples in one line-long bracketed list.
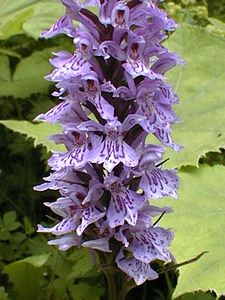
[(65, 112), (136, 65), (111, 149), (151, 244), (155, 182), (93, 93), (120, 15), (70, 66), (124, 203), (77, 156), (63, 25), (136, 269), (66, 242), (157, 114)]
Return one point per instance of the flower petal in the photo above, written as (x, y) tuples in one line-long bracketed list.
[(158, 183), (137, 270)]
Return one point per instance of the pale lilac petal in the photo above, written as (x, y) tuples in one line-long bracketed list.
[(150, 244), (65, 207), (60, 57), (63, 227), (131, 120), (150, 154), (76, 158), (99, 244), (94, 194), (113, 151), (136, 269), (131, 157), (113, 50), (45, 186), (90, 126), (158, 183), (164, 136), (66, 242), (72, 68), (123, 207), (63, 25), (119, 236), (105, 110), (139, 68), (66, 111), (90, 215)]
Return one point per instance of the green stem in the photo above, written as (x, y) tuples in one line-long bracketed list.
[(111, 280), (118, 286)]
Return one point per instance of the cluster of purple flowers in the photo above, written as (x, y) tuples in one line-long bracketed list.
[(113, 94)]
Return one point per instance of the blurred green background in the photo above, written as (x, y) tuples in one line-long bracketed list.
[(30, 269)]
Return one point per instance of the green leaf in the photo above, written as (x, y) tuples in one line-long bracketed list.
[(28, 16), (199, 222), (83, 263), (28, 76), (3, 294), (36, 261), (39, 132), (60, 288), (200, 85), (4, 235), (85, 291), (197, 296), (9, 221), (25, 275), (5, 69)]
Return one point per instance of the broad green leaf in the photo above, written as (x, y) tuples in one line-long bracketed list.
[(28, 76), (197, 296), (36, 261), (85, 291), (25, 275), (39, 132), (3, 294), (200, 85), (83, 264), (219, 25), (60, 290), (198, 222), (28, 16), (5, 69), (9, 221)]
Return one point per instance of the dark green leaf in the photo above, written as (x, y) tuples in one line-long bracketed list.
[(25, 275)]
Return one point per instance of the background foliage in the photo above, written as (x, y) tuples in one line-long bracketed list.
[(30, 269)]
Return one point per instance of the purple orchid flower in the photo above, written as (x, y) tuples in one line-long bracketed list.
[(113, 94)]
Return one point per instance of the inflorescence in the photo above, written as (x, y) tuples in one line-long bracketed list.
[(113, 95)]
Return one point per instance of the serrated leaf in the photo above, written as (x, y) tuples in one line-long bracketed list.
[(28, 76), (199, 225), (197, 296), (27, 16), (25, 275), (39, 132), (200, 85)]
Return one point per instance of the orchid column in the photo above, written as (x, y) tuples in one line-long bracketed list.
[(113, 95)]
